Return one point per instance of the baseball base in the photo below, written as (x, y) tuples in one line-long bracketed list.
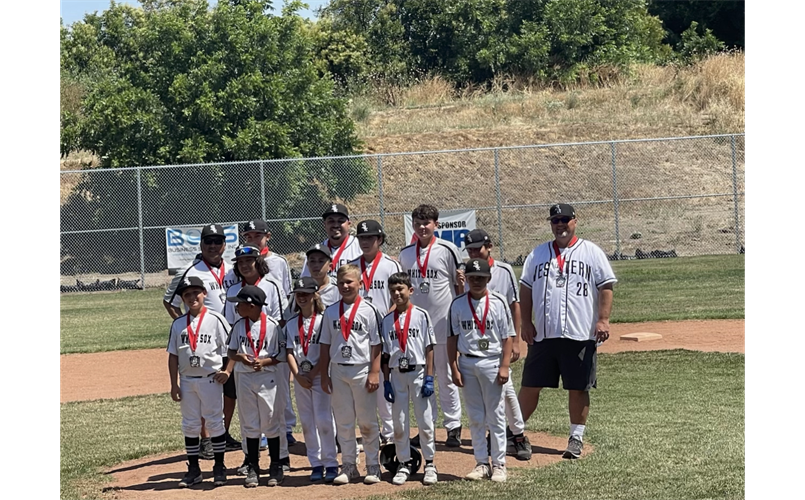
[(641, 336)]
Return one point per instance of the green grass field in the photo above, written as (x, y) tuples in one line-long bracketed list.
[(706, 287)]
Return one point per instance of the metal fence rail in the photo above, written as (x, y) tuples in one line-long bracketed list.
[(681, 195)]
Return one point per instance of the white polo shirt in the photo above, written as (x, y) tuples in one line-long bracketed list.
[(569, 311), (363, 334), (420, 336), (211, 340), (498, 326)]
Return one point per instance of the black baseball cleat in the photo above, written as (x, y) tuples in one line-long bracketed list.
[(192, 477), (522, 448), (574, 446), (453, 438), (275, 474), (219, 475)]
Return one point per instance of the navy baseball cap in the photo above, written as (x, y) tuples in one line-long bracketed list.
[(257, 225), (251, 295), (478, 267), (246, 251), (305, 284), (562, 210), (321, 249), (336, 209), (370, 228), (476, 239), (213, 230), (189, 282)]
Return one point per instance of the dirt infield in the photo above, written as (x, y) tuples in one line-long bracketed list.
[(93, 376), (156, 477)]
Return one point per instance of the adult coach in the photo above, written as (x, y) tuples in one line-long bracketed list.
[(343, 246), (567, 285)]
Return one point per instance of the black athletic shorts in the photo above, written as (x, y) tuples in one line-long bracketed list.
[(574, 360), (229, 386)]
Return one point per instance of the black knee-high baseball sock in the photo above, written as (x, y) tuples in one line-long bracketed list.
[(274, 449), (191, 445), (253, 449), (218, 448)]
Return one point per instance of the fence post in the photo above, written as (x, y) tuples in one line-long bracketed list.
[(615, 201), (500, 211), (263, 190), (380, 191), (140, 224), (735, 196)]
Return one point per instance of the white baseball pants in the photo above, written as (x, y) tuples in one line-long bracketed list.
[(483, 398), (290, 416), (318, 425), (409, 385), (514, 416), (257, 392), (281, 404), (201, 397), (449, 398), (384, 412), (351, 400)]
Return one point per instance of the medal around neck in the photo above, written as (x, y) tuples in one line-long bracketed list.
[(483, 344), (424, 287)]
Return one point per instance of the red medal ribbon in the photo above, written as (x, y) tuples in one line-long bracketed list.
[(218, 279), (491, 262), (191, 335), (264, 251), (424, 268), (340, 250), (480, 324), (243, 283), (257, 349), (346, 329), (402, 335), (305, 340), (367, 278), (560, 260)]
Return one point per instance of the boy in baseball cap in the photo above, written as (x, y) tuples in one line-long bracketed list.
[(196, 350), (481, 328)]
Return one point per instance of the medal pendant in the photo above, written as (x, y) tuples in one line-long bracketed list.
[(424, 287), (346, 351), (223, 298), (368, 299), (306, 366), (403, 363), (195, 361), (560, 280), (483, 344)]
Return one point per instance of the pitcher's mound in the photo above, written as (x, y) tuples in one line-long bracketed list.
[(156, 477)]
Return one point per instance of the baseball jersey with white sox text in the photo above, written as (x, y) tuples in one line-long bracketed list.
[(420, 336), (295, 336), (364, 332), (211, 338), (376, 274), (570, 310), (239, 341), (498, 324)]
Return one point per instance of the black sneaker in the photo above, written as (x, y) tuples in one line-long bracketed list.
[(415, 441), (574, 446), (453, 438), (522, 448), (219, 475), (275, 474), (291, 439), (252, 478), (232, 444), (192, 477), (205, 451)]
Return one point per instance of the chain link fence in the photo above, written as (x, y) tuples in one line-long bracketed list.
[(636, 199)]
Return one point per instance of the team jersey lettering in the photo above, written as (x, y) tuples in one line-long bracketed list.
[(412, 332), (470, 325), (416, 273)]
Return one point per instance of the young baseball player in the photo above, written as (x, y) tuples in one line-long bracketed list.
[(350, 346), (196, 348), (479, 246), (343, 246), (408, 341), (302, 334), (319, 261), (376, 267), (253, 350), (211, 268), (481, 328), (434, 266), (251, 269)]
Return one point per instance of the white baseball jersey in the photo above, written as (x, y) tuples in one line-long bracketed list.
[(239, 341), (378, 291), (341, 254), (213, 278), (211, 338), (364, 332), (498, 325), (293, 338), (569, 311), (502, 282), (329, 295), (279, 269), (420, 336), (440, 282), (275, 299)]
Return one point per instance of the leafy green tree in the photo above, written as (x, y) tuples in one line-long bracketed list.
[(726, 19), (694, 46)]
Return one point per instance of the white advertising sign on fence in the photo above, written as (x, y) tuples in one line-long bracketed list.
[(452, 226), (182, 245)]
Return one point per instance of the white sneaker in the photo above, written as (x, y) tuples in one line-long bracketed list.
[(430, 475), (499, 474), (372, 474), (481, 471), (348, 472), (402, 475)]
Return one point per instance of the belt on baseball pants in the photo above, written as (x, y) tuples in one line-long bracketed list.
[(345, 364), (410, 368), (199, 376), (476, 356)]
